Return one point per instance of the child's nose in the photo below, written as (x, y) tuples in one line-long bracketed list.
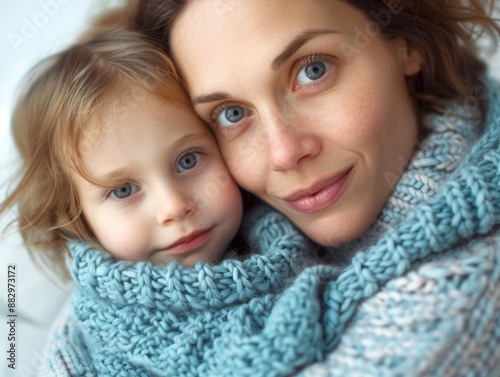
[(174, 205)]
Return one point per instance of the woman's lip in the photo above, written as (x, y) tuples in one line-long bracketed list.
[(319, 195), (190, 242)]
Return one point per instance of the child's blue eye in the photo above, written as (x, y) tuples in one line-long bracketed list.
[(124, 191), (312, 72), (188, 161)]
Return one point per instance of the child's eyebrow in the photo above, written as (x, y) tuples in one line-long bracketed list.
[(116, 175), (192, 137), (120, 174)]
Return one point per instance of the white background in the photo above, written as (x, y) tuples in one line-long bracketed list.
[(29, 31)]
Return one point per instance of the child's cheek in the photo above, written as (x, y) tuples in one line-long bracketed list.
[(124, 239)]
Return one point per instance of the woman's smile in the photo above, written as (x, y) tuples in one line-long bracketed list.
[(318, 195)]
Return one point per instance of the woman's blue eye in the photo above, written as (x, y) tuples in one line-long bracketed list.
[(124, 191), (230, 116), (312, 72), (188, 161)]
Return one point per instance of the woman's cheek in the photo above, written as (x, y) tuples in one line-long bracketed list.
[(245, 160)]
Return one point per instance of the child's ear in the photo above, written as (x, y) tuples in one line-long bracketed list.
[(411, 57)]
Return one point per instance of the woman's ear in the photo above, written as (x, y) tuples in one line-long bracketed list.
[(411, 57)]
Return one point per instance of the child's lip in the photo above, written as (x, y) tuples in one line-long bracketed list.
[(189, 242)]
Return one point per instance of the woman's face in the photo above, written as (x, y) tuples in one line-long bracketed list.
[(308, 102)]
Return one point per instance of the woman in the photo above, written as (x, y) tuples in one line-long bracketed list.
[(363, 121)]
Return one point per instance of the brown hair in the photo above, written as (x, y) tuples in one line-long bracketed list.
[(62, 105), (446, 31)]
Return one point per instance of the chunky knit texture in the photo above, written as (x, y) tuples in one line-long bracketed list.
[(420, 298)]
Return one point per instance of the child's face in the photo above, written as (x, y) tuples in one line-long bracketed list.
[(172, 198)]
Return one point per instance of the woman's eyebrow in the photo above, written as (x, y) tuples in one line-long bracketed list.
[(287, 53), (212, 97), (297, 43)]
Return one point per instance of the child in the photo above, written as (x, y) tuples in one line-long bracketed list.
[(122, 177), (113, 155)]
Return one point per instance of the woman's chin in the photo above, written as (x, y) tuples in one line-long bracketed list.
[(331, 233)]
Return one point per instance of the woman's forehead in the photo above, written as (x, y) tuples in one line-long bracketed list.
[(242, 20), (256, 30)]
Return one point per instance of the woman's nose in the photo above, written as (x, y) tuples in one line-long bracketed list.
[(173, 204), (288, 143)]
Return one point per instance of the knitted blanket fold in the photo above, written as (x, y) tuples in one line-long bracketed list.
[(143, 319), (421, 301)]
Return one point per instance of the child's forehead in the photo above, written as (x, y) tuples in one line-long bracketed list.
[(123, 99), (134, 107)]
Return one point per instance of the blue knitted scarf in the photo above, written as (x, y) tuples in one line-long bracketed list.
[(280, 309)]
